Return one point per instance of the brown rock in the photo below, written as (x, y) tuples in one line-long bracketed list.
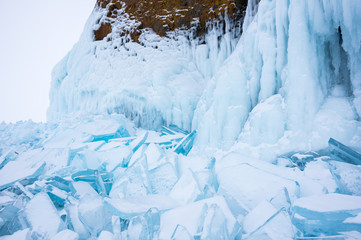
[(168, 15)]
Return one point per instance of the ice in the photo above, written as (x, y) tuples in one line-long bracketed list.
[(251, 185), (10, 220), (215, 224), (133, 158), (138, 142), (181, 233), (93, 214), (347, 176), (231, 137), (162, 178), (319, 171), (77, 225), (153, 154), (19, 170), (289, 76), (83, 188), (105, 130), (92, 176), (43, 216), (340, 151), (152, 216), (327, 213), (130, 207), (356, 219), (60, 183), (66, 234), (137, 228), (5, 200), (19, 235), (267, 222), (186, 190), (106, 235), (192, 217), (186, 144), (24, 190), (113, 158)]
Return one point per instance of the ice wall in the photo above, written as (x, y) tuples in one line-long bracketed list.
[(294, 58), (154, 82), (293, 77)]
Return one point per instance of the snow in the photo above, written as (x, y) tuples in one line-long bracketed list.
[(42, 216), (329, 203), (66, 234), (19, 235)]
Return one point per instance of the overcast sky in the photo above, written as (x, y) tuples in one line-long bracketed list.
[(35, 35)]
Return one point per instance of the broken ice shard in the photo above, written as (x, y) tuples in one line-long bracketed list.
[(192, 217), (90, 176), (43, 216), (104, 130), (24, 190), (19, 170), (153, 222), (127, 208), (138, 142), (186, 190), (162, 178), (181, 233), (145, 227), (327, 214), (186, 144), (100, 184), (8, 217), (57, 196), (66, 234), (214, 226), (266, 222), (343, 153), (61, 183)]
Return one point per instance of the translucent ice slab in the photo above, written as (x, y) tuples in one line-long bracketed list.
[(186, 144), (343, 153), (250, 185), (43, 216), (105, 129), (328, 214), (19, 170), (91, 176), (192, 217), (267, 222), (181, 233), (19, 235), (186, 190), (127, 208), (66, 234), (162, 178), (347, 176)]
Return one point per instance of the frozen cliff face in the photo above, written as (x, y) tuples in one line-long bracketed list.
[(291, 81), (149, 60), (295, 73)]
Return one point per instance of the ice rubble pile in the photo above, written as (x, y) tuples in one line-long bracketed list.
[(101, 178), (294, 74)]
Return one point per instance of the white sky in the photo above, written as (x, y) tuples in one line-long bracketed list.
[(34, 36)]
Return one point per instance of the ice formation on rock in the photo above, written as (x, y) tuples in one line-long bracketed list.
[(296, 68)]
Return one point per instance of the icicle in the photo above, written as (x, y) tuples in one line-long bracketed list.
[(252, 8)]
